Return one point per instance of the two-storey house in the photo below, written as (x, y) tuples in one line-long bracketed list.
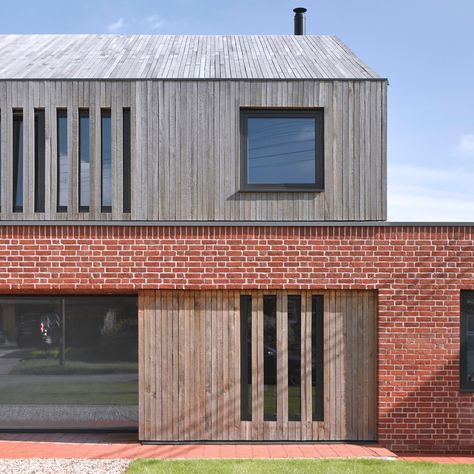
[(194, 244)]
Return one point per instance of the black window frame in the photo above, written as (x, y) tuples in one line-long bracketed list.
[(317, 352), (83, 113), (40, 159), (464, 384), (18, 157), (61, 113), (317, 114), (127, 159), (105, 113), (245, 357)]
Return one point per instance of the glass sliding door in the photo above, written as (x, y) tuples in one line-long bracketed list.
[(68, 362)]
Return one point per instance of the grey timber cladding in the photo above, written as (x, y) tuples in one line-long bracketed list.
[(190, 391), (178, 57), (186, 148)]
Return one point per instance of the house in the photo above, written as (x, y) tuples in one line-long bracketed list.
[(194, 244)]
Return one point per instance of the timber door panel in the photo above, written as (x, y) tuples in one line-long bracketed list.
[(190, 366)]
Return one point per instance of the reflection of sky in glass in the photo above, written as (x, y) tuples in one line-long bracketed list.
[(106, 160), (18, 159), (62, 160), (281, 150), (84, 159)]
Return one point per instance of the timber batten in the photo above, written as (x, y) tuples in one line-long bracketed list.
[(190, 375)]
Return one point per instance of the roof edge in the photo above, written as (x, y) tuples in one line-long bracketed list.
[(88, 223)]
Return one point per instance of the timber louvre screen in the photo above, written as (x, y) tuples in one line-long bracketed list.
[(190, 373)]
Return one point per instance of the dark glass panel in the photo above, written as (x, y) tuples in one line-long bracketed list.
[(281, 150), (269, 358), (467, 340), (317, 357), (470, 358), (17, 161), (127, 162), (106, 160), (68, 362), (40, 142), (245, 357), (84, 161), (294, 357), (0, 161), (62, 164)]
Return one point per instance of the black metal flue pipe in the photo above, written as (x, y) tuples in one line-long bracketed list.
[(300, 21)]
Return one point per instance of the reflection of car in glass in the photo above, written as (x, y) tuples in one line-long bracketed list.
[(39, 328)]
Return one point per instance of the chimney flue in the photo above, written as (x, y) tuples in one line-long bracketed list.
[(300, 21)]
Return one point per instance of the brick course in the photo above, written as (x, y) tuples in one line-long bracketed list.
[(417, 270)]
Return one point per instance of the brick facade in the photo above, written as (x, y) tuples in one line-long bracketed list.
[(418, 272)]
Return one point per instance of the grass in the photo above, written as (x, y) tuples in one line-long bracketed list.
[(117, 393), (294, 399), (52, 367), (293, 466)]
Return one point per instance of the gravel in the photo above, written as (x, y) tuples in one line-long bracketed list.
[(64, 466)]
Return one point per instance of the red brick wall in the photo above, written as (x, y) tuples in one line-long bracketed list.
[(418, 272)]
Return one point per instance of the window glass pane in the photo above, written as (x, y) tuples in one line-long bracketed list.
[(39, 160), (281, 150), (106, 160), (467, 339), (270, 358), (69, 362), (63, 166), (294, 357), (127, 155), (245, 357), (317, 357), (470, 358), (17, 161), (0, 161), (84, 161)]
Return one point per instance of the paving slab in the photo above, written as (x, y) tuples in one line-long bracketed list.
[(126, 446)]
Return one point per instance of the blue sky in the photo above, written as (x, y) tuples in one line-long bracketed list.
[(424, 48)]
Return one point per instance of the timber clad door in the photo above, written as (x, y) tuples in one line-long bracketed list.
[(190, 365)]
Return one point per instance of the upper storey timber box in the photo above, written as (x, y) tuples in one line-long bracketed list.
[(190, 128)]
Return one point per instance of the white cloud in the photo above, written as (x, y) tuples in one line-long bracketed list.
[(417, 193), (406, 205), (154, 22), (116, 26), (466, 144)]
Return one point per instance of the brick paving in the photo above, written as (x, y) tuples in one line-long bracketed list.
[(126, 446)]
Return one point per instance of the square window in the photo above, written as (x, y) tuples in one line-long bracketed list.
[(467, 341), (282, 150)]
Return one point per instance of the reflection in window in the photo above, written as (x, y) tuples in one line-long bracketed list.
[(84, 161), (106, 160), (294, 357), (17, 161), (0, 160), (62, 163), (127, 162), (40, 142), (282, 150), (246, 358), (269, 358), (73, 362), (467, 341), (317, 362)]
